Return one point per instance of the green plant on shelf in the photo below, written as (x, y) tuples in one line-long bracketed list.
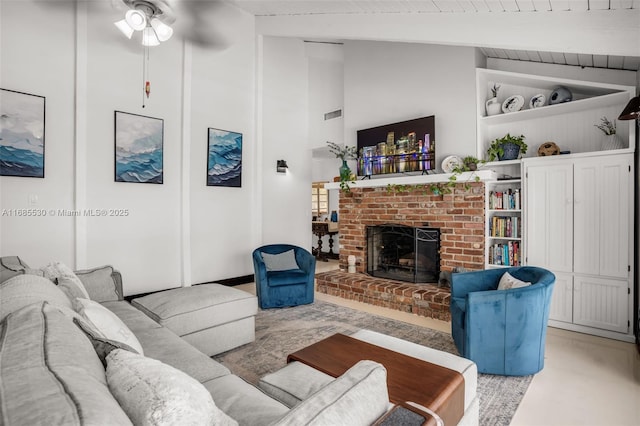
[(497, 148), (608, 127)]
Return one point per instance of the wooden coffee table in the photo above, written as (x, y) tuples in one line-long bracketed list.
[(408, 379)]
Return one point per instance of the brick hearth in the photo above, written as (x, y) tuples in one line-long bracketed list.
[(460, 217), (422, 299)]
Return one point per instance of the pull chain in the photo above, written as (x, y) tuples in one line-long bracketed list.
[(146, 85)]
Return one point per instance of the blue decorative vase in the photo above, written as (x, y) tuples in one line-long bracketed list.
[(334, 216), (511, 151)]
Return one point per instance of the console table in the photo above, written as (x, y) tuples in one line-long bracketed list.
[(320, 229)]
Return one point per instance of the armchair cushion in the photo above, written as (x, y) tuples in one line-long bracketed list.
[(277, 278), (284, 261)]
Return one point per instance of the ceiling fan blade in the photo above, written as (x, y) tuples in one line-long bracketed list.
[(206, 23)]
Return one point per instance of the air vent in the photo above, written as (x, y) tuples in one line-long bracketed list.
[(333, 114)]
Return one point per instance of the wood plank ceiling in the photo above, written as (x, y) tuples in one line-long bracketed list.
[(328, 7)]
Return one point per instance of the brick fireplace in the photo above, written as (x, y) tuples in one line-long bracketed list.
[(459, 216)]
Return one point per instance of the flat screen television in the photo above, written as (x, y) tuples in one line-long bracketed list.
[(406, 146)]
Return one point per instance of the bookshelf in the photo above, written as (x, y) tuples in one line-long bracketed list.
[(503, 227)]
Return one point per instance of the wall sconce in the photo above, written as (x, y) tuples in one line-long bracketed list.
[(281, 166)]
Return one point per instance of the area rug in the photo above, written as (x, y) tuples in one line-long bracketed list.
[(280, 332)]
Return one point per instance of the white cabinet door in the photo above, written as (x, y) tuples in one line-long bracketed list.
[(549, 216), (601, 216), (601, 303), (562, 298)]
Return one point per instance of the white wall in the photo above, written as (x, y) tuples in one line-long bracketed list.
[(390, 82), (282, 95), (27, 64), (176, 233)]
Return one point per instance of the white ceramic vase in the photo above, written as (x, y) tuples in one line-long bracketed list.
[(612, 142), (493, 107)]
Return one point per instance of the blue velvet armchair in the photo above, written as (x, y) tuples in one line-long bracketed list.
[(502, 331), (288, 284)]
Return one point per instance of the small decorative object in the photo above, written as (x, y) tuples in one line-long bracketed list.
[(611, 139), (450, 163), (224, 158), (492, 105), (21, 134), (537, 101), (334, 216), (351, 261), (548, 148), (513, 103), (560, 95), (344, 153), (507, 148), (138, 146)]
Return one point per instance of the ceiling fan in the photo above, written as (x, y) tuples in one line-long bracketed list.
[(152, 17), (197, 21)]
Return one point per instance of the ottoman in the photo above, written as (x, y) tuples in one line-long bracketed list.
[(296, 382), (212, 317)]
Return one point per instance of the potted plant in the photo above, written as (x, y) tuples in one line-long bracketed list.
[(470, 163), (344, 153), (507, 148), (611, 139)]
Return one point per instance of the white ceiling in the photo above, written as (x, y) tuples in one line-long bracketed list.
[(341, 7)]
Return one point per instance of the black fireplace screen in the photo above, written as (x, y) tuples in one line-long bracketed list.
[(403, 253)]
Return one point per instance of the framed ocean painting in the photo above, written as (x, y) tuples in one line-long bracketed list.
[(21, 134), (224, 158), (138, 148)]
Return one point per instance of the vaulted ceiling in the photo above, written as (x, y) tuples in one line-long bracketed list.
[(267, 8)]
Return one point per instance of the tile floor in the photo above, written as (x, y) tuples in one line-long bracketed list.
[(586, 380)]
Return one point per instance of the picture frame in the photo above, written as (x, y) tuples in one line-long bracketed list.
[(138, 148), (224, 158), (22, 134)]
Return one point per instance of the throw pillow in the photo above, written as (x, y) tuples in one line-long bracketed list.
[(284, 261), (103, 283), (508, 281), (107, 323), (155, 394), (101, 344), (65, 278)]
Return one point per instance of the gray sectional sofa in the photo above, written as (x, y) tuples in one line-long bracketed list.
[(53, 371)]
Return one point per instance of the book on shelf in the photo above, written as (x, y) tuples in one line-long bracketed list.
[(505, 254), (505, 226), (505, 200)]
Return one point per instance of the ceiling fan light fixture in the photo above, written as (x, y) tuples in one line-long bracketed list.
[(162, 30), (136, 19), (149, 37), (124, 27)]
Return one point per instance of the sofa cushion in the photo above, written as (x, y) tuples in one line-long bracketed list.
[(185, 310), (23, 290), (107, 323), (155, 394), (132, 317), (165, 346), (10, 266), (284, 261), (358, 397), (50, 372), (101, 344), (294, 383), (102, 283), (244, 402)]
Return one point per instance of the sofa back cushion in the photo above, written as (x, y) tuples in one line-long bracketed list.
[(10, 266), (104, 284), (23, 290), (51, 373)]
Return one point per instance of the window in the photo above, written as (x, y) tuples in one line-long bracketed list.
[(319, 200)]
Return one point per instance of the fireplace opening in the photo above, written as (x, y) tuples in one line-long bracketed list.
[(403, 253)]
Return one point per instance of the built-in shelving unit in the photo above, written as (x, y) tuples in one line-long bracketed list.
[(503, 228), (576, 210)]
